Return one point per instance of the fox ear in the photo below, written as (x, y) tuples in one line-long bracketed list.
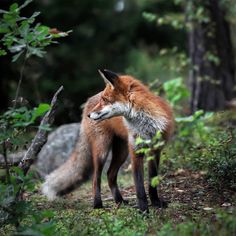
[(108, 76)]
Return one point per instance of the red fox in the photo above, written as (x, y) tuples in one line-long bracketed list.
[(112, 120)]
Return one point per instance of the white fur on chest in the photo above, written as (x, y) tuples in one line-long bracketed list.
[(139, 122), (142, 124)]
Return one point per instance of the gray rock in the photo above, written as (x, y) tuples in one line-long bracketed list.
[(57, 149)]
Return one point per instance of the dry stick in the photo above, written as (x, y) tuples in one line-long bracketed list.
[(19, 82), (36, 145), (41, 136)]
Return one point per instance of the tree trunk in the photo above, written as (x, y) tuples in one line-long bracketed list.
[(211, 53)]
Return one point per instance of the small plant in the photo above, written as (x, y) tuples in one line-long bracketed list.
[(175, 91), (148, 149), (13, 124), (14, 121), (22, 36), (222, 163)]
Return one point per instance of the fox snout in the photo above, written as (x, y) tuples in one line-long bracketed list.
[(98, 115)]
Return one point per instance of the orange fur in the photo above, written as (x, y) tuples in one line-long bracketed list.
[(116, 134), (129, 89)]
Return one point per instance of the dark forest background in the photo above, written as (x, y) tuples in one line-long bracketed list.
[(147, 39)]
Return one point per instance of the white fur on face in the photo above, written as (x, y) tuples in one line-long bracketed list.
[(109, 111), (138, 122)]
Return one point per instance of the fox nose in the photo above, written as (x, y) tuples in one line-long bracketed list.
[(97, 113)]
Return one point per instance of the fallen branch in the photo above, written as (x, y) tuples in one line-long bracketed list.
[(41, 136)]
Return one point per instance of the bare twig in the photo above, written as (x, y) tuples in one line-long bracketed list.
[(19, 82), (41, 136)]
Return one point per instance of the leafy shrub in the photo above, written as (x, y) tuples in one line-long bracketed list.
[(14, 121), (13, 209), (191, 133), (175, 91), (22, 36), (201, 143), (222, 164)]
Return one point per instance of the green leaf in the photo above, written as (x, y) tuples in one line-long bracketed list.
[(16, 57), (159, 144), (184, 119), (43, 30), (35, 51), (21, 33), (17, 48), (40, 110), (191, 118), (143, 151), (24, 28), (139, 140), (150, 158), (14, 7), (48, 214), (149, 16), (4, 29), (156, 181), (157, 135), (18, 171), (3, 52), (22, 124), (35, 14), (198, 113), (45, 127)]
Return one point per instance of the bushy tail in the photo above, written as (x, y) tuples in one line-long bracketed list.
[(72, 173)]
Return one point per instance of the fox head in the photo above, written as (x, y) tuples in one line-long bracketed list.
[(114, 98)]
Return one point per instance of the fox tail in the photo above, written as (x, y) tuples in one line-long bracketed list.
[(72, 173)]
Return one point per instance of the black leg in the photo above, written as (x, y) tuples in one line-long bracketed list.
[(97, 185), (99, 159), (137, 167), (119, 155), (153, 172)]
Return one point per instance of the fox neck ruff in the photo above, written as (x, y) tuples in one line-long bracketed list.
[(142, 123)]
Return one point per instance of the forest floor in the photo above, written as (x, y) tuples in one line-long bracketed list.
[(194, 209)]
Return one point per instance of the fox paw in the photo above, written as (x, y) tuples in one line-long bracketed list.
[(97, 205), (160, 204)]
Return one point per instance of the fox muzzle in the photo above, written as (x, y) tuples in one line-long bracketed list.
[(99, 115)]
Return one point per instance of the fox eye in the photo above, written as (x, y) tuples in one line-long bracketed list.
[(105, 100)]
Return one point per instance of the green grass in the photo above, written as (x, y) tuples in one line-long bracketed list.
[(194, 209)]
